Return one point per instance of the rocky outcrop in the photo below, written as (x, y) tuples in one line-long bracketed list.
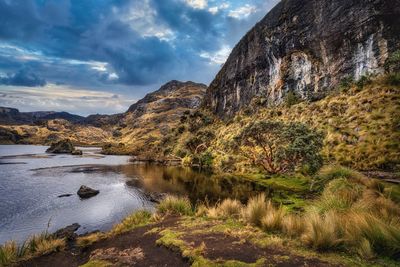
[(306, 47), (62, 147), (87, 192)]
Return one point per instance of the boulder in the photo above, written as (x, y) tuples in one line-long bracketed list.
[(62, 147), (77, 152), (87, 192), (67, 232)]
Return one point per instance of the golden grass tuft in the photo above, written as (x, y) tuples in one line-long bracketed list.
[(175, 205), (273, 219), (255, 210)]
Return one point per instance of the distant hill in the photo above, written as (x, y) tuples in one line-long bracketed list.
[(12, 116)]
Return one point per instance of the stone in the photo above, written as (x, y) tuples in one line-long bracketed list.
[(62, 147), (306, 47), (87, 192), (77, 152), (67, 232), (64, 195)]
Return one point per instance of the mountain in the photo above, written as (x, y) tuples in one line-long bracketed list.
[(144, 123), (304, 49), (150, 119), (12, 116)]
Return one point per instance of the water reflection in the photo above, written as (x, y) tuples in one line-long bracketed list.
[(198, 186)]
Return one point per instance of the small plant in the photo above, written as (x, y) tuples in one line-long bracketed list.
[(176, 205), (346, 83)]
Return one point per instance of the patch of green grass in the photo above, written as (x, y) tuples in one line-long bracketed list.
[(97, 263), (137, 219), (175, 205)]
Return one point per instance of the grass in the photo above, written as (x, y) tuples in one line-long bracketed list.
[(37, 245), (255, 210), (97, 263), (175, 205), (137, 219)]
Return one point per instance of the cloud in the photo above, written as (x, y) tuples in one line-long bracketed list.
[(198, 4), (64, 98), (23, 77), (242, 12), (129, 47)]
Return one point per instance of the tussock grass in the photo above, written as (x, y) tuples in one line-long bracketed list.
[(255, 210), (175, 205), (322, 232), (293, 225), (273, 219), (228, 208), (352, 215), (37, 245)]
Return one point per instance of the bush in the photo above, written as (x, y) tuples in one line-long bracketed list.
[(291, 99), (176, 205), (393, 79), (392, 64), (363, 81), (279, 147)]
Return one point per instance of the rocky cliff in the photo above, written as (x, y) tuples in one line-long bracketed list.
[(306, 47)]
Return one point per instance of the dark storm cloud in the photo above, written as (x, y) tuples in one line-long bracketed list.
[(23, 78)]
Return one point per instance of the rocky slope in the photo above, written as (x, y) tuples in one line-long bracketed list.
[(306, 47), (145, 123)]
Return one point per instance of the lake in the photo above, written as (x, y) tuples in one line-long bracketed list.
[(31, 181)]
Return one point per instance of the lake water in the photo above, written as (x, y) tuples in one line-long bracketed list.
[(31, 181)]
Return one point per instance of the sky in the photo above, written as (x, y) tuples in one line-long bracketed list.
[(101, 56)]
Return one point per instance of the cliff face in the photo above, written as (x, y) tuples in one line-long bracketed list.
[(306, 47)]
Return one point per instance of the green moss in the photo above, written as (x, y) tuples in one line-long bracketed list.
[(97, 263)]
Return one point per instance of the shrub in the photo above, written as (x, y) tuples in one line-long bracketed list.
[(363, 81), (176, 205), (392, 64), (255, 210), (279, 147), (291, 99), (393, 79)]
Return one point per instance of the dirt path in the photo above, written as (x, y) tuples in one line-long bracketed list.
[(138, 248)]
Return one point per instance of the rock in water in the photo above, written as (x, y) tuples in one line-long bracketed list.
[(67, 232), (77, 152), (87, 192), (306, 48), (61, 147)]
